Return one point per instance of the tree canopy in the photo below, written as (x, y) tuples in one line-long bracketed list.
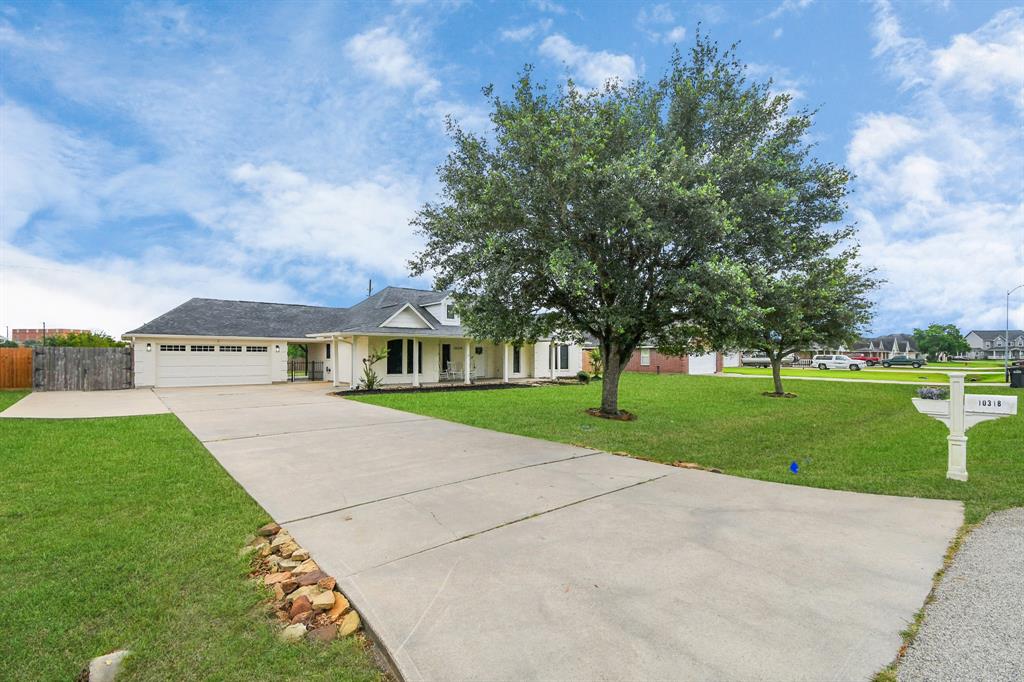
[(941, 338), (631, 213), (84, 340)]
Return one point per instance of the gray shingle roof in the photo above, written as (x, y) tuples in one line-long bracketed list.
[(221, 318), (217, 317), (988, 335)]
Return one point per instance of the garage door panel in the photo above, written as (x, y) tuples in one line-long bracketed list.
[(702, 364), (216, 368)]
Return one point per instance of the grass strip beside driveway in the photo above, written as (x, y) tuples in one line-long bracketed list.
[(845, 436), (125, 532)]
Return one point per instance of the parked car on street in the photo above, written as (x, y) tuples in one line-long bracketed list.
[(902, 361), (870, 359), (762, 360), (837, 362)]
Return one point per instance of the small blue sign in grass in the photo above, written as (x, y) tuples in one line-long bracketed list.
[(794, 467)]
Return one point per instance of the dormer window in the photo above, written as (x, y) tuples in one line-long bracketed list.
[(449, 311)]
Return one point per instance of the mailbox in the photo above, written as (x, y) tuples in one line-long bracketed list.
[(960, 413)]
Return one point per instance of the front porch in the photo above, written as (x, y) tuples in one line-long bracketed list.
[(421, 360)]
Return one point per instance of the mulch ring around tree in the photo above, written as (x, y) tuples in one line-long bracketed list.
[(773, 394), (622, 416)]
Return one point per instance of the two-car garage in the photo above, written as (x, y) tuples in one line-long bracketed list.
[(210, 364)]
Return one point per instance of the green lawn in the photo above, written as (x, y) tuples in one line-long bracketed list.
[(849, 436), (125, 533), (970, 364), (909, 375)]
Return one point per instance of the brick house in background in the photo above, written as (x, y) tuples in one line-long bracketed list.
[(646, 358), (23, 335)]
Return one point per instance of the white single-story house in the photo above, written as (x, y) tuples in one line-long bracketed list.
[(213, 342), (991, 344)]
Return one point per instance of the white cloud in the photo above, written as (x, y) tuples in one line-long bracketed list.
[(783, 82), (523, 33), (655, 22), (548, 6), (388, 57), (938, 190), (787, 7), (359, 227), (591, 69), (117, 294), (777, 33)]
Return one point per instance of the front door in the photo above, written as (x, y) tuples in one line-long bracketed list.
[(479, 361), (446, 356)]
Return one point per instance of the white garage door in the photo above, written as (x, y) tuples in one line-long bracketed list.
[(702, 364), (212, 365)]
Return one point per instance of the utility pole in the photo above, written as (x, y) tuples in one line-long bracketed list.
[(1006, 335)]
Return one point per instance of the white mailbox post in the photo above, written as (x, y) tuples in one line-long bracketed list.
[(960, 413)]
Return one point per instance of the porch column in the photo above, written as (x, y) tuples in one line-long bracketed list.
[(504, 363), (551, 358), (415, 363), (465, 364), (353, 378), (334, 359)]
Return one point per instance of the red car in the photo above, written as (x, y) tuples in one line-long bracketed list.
[(868, 359)]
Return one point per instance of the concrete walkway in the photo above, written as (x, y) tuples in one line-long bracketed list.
[(476, 555), (83, 404)]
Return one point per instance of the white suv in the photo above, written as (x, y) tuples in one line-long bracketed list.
[(836, 362)]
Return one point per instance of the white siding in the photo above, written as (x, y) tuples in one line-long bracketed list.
[(407, 318)]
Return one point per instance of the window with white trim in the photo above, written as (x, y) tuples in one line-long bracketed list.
[(230, 349), (255, 349), (202, 349), (645, 357), (449, 311), (172, 347)]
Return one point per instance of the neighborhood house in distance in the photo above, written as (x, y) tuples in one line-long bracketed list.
[(213, 342), (991, 345)]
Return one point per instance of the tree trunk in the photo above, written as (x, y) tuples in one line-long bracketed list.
[(610, 383), (777, 373)]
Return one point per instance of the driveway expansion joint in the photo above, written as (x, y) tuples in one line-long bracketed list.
[(511, 523), (440, 485)]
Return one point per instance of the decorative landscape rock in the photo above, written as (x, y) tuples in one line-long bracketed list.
[(274, 578), (269, 529), (324, 633), (307, 566), (311, 579), (323, 601), (341, 605), (306, 599), (293, 633), (300, 605), (349, 624)]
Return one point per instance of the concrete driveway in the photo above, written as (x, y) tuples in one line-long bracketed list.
[(476, 555), (85, 404)]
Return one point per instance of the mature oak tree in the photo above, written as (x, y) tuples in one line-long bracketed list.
[(941, 338), (631, 213)]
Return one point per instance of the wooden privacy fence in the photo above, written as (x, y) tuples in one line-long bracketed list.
[(57, 368), (15, 368)]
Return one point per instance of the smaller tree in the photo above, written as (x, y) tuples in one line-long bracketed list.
[(7, 343), (820, 301), (940, 338), (596, 363), (371, 380)]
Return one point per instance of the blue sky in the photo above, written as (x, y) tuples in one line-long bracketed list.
[(150, 152)]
